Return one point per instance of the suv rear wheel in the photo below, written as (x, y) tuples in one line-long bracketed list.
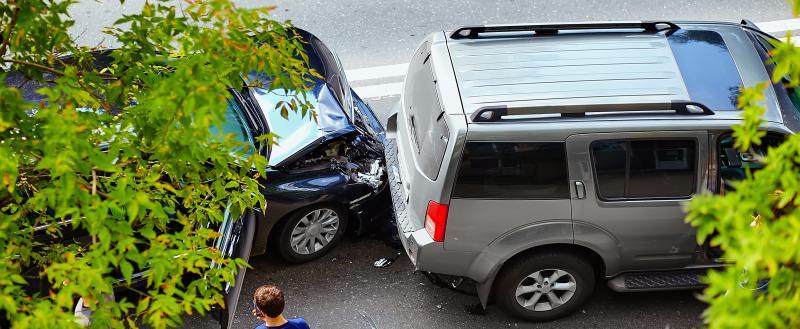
[(545, 286)]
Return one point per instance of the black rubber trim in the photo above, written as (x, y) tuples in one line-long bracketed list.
[(473, 32), (495, 113)]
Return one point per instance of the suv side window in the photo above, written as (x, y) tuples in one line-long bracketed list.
[(645, 169), (513, 170)]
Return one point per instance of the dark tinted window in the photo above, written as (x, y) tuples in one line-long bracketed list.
[(788, 96), (734, 164), (707, 68), (639, 169), (513, 170), (315, 60)]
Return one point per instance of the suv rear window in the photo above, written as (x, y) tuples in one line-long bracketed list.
[(708, 70), (513, 170), (426, 118), (644, 169)]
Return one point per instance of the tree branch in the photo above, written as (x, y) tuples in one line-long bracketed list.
[(58, 72), (7, 32), (94, 181), (33, 65), (55, 71)]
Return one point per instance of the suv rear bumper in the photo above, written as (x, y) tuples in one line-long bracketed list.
[(409, 233), (426, 254), (404, 223), (430, 256)]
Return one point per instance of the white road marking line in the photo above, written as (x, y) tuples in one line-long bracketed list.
[(780, 26), (795, 40), (377, 72), (396, 71), (378, 91)]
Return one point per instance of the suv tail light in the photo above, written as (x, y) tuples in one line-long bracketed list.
[(436, 220)]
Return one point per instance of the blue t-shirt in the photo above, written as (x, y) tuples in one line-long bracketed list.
[(297, 323)]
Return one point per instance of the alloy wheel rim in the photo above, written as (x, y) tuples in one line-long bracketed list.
[(314, 231), (545, 290)]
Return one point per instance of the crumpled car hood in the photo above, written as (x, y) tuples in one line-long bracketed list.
[(297, 134)]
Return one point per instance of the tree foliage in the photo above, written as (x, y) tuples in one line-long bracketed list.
[(758, 224), (122, 151)]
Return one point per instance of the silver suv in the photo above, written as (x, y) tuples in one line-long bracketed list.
[(537, 159)]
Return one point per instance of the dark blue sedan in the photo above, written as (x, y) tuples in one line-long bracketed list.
[(326, 176)]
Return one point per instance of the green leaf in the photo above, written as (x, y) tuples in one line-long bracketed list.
[(127, 270), (145, 197)]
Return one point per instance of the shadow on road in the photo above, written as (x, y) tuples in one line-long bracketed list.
[(344, 290)]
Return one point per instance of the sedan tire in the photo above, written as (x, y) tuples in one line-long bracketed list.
[(311, 232)]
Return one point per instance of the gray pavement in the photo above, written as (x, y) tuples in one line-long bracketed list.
[(334, 292), (380, 32)]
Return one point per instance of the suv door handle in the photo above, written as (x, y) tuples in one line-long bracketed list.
[(580, 190)]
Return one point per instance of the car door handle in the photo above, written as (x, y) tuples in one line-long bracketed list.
[(580, 190)]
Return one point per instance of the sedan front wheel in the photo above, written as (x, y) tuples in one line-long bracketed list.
[(311, 232)]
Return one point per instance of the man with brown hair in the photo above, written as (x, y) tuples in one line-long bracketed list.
[(268, 306)]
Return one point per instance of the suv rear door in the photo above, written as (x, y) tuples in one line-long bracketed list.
[(423, 139), (628, 190)]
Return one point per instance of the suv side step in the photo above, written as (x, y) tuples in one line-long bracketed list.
[(662, 280)]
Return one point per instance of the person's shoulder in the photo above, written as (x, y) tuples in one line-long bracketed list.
[(261, 326), (299, 323)]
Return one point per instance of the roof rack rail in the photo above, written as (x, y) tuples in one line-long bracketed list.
[(495, 113), (473, 32)]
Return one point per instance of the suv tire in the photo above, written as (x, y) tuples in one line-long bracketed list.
[(545, 286), (315, 220)]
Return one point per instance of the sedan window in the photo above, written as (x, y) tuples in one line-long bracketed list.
[(235, 124)]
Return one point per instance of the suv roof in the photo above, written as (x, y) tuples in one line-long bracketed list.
[(594, 65)]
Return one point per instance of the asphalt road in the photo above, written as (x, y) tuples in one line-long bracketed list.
[(374, 38), (380, 32), (343, 290)]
